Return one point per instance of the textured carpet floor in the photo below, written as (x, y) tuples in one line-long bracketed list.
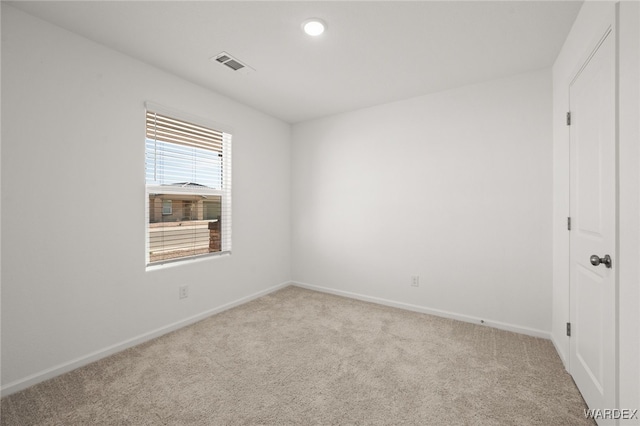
[(302, 357)]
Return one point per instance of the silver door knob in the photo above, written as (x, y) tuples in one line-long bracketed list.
[(606, 260)]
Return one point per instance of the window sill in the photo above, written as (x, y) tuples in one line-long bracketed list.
[(181, 262)]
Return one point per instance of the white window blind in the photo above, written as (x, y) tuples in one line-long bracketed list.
[(188, 182)]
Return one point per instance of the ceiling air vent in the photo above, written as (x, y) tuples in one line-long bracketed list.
[(233, 63)]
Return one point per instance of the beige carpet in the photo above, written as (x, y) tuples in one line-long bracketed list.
[(303, 357)]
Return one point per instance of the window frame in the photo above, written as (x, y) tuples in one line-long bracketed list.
[(225, 192)]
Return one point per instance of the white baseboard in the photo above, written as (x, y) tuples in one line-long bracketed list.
[(49, 373), (41, 376), (561, 353), (425, 310)]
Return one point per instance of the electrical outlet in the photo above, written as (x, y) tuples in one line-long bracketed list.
[(184, 291), (415, 281)]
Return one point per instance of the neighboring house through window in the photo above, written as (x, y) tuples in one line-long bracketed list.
[(188, 182)]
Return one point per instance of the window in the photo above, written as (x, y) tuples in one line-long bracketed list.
[(188, 188), (167, 207)]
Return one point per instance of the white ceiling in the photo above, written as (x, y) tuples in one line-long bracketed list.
[(371, 53)]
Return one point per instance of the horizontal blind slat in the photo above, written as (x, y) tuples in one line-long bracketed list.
[(194, 128), (162, 128)]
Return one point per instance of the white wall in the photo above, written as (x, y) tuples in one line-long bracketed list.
[(454, 187), (590, 25), (73, 167)]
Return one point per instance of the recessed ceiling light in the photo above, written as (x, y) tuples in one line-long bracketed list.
[(314, 26)]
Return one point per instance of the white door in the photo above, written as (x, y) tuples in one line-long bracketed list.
[(593, 226)]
